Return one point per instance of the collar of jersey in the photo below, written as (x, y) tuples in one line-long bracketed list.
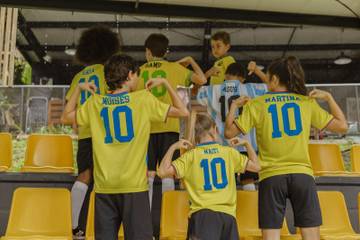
[(206, 143), (157, 60), (284, 92), (117, 94)]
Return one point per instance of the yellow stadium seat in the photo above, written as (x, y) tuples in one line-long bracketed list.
[(247, 218), (49, 153), (174, 215), (355, 158), (326, 160), (5, 151), (90, 232), (336, 223), (40, 213)]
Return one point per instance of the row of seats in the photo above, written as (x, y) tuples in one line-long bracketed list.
[(45, 213), (54, 153), (44, 153)]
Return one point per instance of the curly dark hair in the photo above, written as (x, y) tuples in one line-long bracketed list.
[(236, 69), (117, 69), (222, 36), (96, 45)]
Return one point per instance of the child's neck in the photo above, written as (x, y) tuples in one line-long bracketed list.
[(155, 59), (206, 139), (123, 89), (280, 89)]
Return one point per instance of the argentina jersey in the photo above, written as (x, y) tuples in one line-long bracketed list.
[(218, 98)]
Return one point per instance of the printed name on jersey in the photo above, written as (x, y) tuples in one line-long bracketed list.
[(153, 65), (88, 71), (211, 151), (282, 98), (230, 89), (114, 100)]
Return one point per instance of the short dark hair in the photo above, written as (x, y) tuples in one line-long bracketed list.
[(117, 69), (222, 36), (96, 45), (236, 69), (158, 44)]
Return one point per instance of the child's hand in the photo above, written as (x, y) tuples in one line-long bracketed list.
[(186, 61), (236, 141), (154, 82), (241, 101), (88, 86), (214, 71), (251, 67), (320, 94), (184, 144)]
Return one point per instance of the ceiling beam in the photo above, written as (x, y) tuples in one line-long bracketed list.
[(234, 48), (129, 7), (150, 24), (30, 37)]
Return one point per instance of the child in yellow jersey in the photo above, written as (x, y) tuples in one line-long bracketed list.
[(120, 129), (165, 134), (282, 119), (209, 174), (220, 45), (96, 45)]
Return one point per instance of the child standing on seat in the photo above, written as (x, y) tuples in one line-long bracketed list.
[(96, 45), (220, 45), (120, 129), (282, 119), (208, 171)]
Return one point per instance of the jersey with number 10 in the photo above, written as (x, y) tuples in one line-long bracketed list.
[(120, 128), (209, 175), (177, 75), (94, 74), (282, 122)]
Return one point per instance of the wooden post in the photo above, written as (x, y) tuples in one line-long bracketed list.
[(8, 29)]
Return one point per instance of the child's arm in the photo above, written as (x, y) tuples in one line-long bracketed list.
[(253, 164), (214, 71), (178, 109), (339, 123), (231, 130), (69, 113), (166, 169), (252, 68), (198, 77)]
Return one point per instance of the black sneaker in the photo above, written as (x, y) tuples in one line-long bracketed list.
[(78, 234)]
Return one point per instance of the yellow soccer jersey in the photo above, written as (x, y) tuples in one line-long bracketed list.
[(282, 122), (222, 64), (95, 74), (177, 75), (120, 127), (209, 175)]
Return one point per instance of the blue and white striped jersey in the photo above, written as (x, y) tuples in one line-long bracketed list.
[(218, 98)]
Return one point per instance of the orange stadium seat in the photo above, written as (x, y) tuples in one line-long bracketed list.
[(326, 160), (336, 223), (90, 231), (40, 213), (174, 215), (355, 158), (247, 218), (5, 151), (49, 153)]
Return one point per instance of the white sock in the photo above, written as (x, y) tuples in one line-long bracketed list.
[(249, 187), (78, 193), (168, 184), (151, 183)]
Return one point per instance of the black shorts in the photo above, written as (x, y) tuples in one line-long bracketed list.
[(159, 144), (300, 189), (84, 157), (130, 209), (210, 225)]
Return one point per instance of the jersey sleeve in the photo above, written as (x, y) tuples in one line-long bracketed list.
[(158, 110), (239, 160), (184, 76), (246, 121), (202, 96), (319, 117), (72, 88), (182, 164), (82, 114)]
